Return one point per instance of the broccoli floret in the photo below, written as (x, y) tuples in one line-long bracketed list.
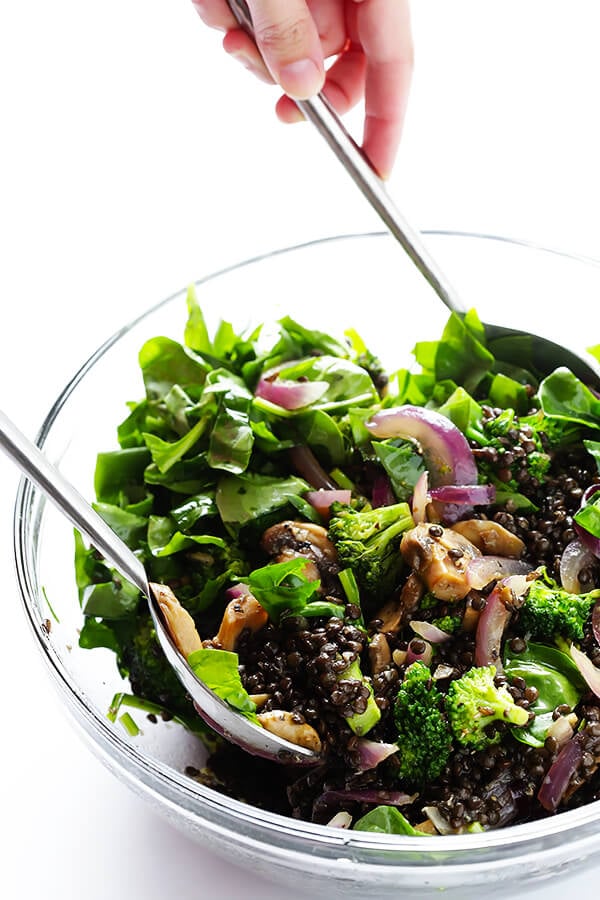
[(142, 660), (367, 541), (550, 611), (424, 738), (474, 701), (449, 624)]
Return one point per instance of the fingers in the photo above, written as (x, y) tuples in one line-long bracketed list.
[(241, 47), (344, 86), (215, 14), (383, 29), (288, 40)]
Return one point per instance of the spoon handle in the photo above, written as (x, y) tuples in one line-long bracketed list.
[(320, 113), (69, 501)]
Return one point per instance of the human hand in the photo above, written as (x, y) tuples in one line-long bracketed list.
[(369, 40)]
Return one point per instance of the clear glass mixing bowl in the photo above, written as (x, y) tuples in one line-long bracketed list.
[(364, 282)]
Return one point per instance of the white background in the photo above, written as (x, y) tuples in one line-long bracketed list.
[(134, 158)]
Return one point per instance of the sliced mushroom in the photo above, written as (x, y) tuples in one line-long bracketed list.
[(439, 556), (490, 537), (288, 539), (259, 700), (380, 655), (310, 571), (180, 624), (242, 613), (285, 726), (397, 611)]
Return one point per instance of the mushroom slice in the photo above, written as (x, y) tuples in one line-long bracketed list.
[(285, 725), (397, 611), (380, 655), (242, 613), (490, 537), (298, 536), (287, 539), (439, 556), (180, 624)]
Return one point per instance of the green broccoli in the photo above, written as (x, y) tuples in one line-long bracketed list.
[(550, 611), (449, 624), (141, 659), (367, 541), (361, 723), (474, 701), (424, 738)]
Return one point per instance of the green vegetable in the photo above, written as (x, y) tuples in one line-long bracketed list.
[(403, 465), (550, 611), (557, 680), (367, 541), (460, 354), (424, 738), (244, 498), (593, 447), (361, 723), (387, 820), (282, 587), (449, 624), (474, 702), (219, 670), (564, 396), (589, 515)]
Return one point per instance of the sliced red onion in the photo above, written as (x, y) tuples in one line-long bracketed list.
[(588, 670), (471, 494), (494, 619), (596, 621), (371, 753), (289, 394), (484, 569), (308, 466), (237, 591), (445, 449), (322, 500), (429, 632), (420, 498), (382, 493), (575, 557), (558, 776), (341, 820), (390, 798), (423, 656)]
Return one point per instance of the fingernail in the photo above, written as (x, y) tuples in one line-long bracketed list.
[(301, 79)]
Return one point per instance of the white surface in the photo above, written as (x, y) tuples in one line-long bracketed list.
[(135, 157)]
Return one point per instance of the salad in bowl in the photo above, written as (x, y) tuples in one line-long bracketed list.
[(398, 570)]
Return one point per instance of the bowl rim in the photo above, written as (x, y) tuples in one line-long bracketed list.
[(199, 800)]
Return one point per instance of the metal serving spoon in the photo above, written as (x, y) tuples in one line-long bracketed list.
[(546, 355), (216, 712)]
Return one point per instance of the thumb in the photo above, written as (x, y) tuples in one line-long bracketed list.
[(288, 40)]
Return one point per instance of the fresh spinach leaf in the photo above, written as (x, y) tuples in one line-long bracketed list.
[(557, 679), (387, 820), (402, 463), (282, 587), (219, 671)]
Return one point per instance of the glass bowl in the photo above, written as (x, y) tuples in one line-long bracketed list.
[(359, 281)]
